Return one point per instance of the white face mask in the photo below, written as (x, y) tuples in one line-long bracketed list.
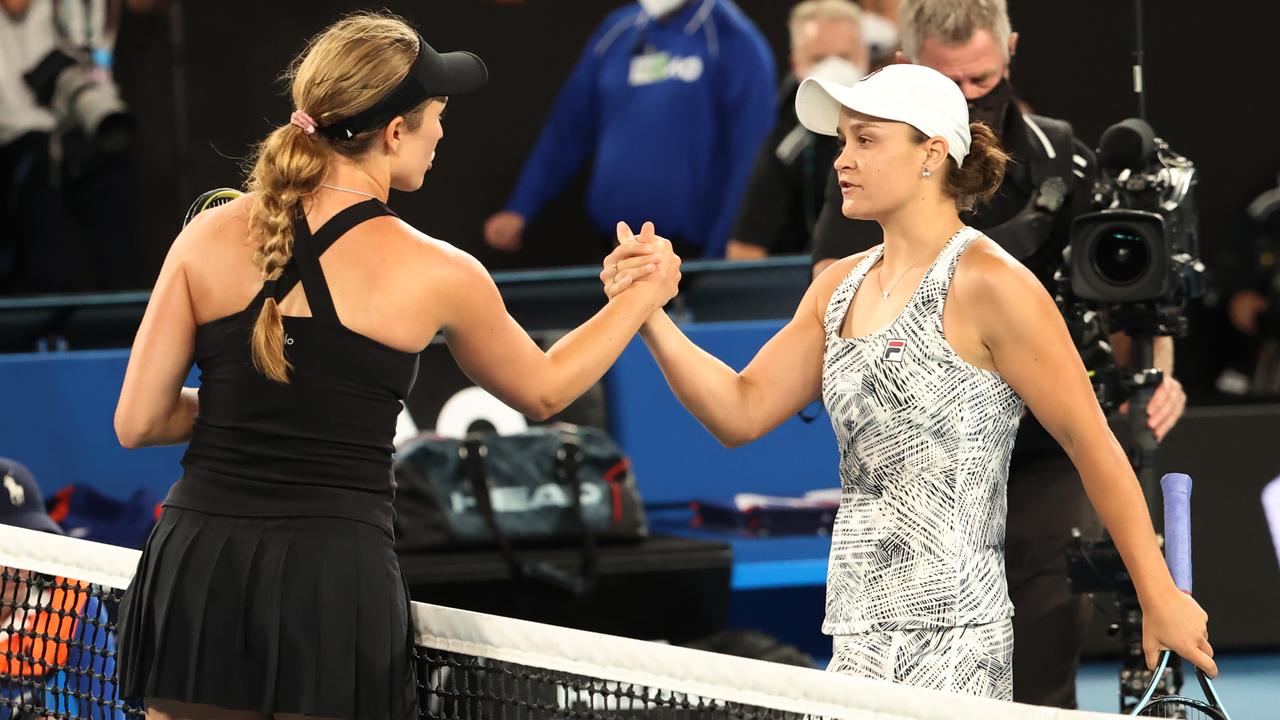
[(837, 70), (658, 8)]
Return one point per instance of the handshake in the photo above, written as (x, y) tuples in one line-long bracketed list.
[(643, 263)]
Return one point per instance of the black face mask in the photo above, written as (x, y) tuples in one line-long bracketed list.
[(993, 107)]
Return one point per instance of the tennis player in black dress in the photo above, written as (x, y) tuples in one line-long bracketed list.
[(269, 586)]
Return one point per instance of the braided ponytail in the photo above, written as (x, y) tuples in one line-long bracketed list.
[(290, 164), (343, 70)]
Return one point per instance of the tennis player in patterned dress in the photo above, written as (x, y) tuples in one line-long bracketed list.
[(924, 350)]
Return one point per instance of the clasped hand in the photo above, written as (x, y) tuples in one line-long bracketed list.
[(645, 262)]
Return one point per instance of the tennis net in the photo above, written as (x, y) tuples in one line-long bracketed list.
[(59, 598)]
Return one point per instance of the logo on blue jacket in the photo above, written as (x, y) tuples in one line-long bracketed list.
[(657, 67)]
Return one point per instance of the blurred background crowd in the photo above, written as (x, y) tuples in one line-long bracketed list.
[(114, 114)]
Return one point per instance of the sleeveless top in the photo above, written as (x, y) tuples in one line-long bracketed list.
[(320, 445), (924, 440)]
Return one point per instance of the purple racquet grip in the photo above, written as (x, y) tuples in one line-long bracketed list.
[(1177, 528), (1271, 506)]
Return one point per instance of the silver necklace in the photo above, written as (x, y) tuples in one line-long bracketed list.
[(357, 192), (884, 294)]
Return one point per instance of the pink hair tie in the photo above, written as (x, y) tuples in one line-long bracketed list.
[(303, 121)]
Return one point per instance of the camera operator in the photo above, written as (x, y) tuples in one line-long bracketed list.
[(64, 138), (1254, 309), (1048, 184)]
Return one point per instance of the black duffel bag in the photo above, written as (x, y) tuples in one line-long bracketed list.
[(554, 485)]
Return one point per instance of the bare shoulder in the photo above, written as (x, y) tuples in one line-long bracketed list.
[(439, 275), (214, 252), (987, 273), (825, 285), (998, 295), (431, 255)]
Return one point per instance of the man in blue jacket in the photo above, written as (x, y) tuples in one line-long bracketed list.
[(670, 101)]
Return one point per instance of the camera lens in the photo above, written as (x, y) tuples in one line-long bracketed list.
[(1120, 254)]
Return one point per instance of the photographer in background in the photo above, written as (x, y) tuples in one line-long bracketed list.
[(785, 193), (64, 139), (1047, 185), (1254, 309), (880, 30)]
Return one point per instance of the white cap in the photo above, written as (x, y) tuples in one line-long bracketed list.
[(916, 95)]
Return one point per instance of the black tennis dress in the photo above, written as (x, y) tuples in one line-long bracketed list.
[(270, 583)]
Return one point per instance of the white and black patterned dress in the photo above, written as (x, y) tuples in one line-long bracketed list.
[(916, 589)]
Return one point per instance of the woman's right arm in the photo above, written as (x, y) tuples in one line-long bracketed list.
[(499, 356), (784, 377)]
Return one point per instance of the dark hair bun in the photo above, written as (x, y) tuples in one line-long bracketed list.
[(983, 169)]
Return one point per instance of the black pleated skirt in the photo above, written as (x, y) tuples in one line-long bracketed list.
[(275, 615)]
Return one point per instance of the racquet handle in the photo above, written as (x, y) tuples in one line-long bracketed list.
[(1177, 528)]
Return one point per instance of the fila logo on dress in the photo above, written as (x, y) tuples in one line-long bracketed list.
[(894, 350)]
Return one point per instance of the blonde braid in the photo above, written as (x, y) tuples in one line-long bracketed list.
[(344, 70), (290, 165)]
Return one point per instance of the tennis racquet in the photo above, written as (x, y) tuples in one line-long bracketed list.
[(212, 198), (1177, 552)]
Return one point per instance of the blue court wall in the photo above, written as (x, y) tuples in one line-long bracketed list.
[(57, 420), (58, 410), (676, 458)]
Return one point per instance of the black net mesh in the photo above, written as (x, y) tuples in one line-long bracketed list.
[(57, 648), (466, 687)]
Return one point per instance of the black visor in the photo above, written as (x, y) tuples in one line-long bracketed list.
[(433, 75)]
